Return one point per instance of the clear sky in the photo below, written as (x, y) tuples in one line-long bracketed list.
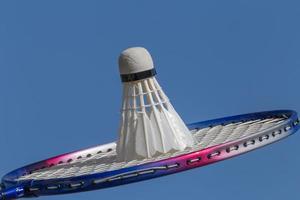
[(60, 88)]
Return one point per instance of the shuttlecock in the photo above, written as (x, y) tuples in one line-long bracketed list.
[(150, 126)]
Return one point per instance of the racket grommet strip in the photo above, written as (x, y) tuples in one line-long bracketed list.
[(176, 165), (76, 185), (248, 143), (130, 175), (53, 187), (287, 128), (33, 189), (109, 150), (214, 154), (89, 155), (193, 160), (232, 148), (262, 138), (277, 132), (151, 171)]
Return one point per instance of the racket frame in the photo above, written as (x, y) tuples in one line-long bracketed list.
[(29, 188)]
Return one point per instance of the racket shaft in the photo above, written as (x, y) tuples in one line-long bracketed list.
[(12, 193)]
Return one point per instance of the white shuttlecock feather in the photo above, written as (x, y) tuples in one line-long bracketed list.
[(150, 126)]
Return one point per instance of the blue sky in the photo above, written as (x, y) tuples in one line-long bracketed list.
[(60, 88)]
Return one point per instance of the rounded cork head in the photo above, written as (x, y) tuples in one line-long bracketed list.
[(135, 60)]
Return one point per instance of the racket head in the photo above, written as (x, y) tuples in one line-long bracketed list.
[(24, 178)]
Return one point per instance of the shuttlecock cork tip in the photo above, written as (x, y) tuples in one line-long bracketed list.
[(135, 63)]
